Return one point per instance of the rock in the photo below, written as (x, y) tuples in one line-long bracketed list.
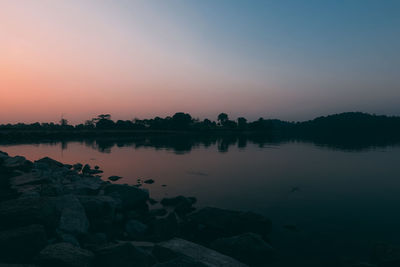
[(30, 178), (175, 248), (51, 163), (152, 201), (249, 248), (84, 186), (93, 241), (165, 228), (20, 245), (96, 167), (136, 229), (18, 163), (26, 211), (183, 205), (64, 255), (149, 181), (209, 224), (77, 167), (385, 255), (158, 212), (98, 207), (129, 197), (73, 218), (121, 255), (181, 262), (68, 238), (86, 169), (114, 178)]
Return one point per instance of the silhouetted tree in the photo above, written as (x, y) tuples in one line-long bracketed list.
[(223, 118), (242, 123)]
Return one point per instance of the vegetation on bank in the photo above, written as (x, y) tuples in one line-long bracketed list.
[(344, 122)]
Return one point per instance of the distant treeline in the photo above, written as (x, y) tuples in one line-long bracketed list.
[(344, 123)]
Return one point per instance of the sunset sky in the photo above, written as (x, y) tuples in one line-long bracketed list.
[(292, 60)]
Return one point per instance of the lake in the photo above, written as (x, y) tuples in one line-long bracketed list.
[(339, 202)]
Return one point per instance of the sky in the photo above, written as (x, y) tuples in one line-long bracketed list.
[(292, 60)]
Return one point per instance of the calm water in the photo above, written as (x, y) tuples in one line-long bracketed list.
[(347, 200)]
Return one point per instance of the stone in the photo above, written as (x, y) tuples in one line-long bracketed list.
[(136, 229), (181, 262), (51, 163), (29, 178), (64, 255), (165, 228), (249, 248), (26, 211), (18, 163), (176, 247), (73, 218), (129, 197), (385, 255), (149, 181), (98, 207), (114, 178), (210, 223), (123, 255), (77, 167), (158, 212), (183, 205), (21, 244)]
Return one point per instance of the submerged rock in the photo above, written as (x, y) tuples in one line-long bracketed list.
[(149, 181), (64, 255), (123, 255), (175, 248), (210, 223), (114, 178), (20, 245), (249, 248)]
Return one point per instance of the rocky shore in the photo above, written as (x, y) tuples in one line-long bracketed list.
[(55, 214)]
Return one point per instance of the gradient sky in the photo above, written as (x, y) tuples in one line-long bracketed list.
[(292, 60)]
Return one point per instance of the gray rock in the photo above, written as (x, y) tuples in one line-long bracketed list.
[(136, 229), (209, 224), (73, 218), (64, 255), (77, 167), (249, 248), (18, 163), (114, 178), (51, 163), (165, 228), (183, 205), (98, 207), (175, 248), (123, 255), (20, 245), (385, 255), (129, 197), (30, 178), (181, 262), (26, 211)]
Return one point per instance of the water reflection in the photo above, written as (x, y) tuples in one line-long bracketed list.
[(184, 143)]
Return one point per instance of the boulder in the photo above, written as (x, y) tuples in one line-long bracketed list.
[(165, 228), (77, 167), (128, 197), (20, 245), (123, 255), (209, 224), (385, 255), (30, 178), (175, 248), (183, 205), (181, 262), (50, 163), (17, 163), (73, 218), (136, 229), (114, 178), (64, 255), (26, 211), (98, 207), (249, 248)]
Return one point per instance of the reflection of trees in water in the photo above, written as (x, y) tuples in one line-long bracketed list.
[(184, 143)]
